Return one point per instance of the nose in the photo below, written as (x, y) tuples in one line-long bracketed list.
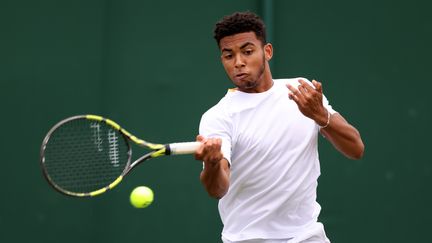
[(239, 61)]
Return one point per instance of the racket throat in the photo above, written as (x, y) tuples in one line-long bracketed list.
[(167, 149)]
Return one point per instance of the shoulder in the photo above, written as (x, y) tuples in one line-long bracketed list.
[(216, 120), (219, 110)]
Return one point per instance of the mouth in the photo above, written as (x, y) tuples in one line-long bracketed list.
[(241, 76)]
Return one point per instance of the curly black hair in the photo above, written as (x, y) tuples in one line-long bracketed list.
[(240, 22)]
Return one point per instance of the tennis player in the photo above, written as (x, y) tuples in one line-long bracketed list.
[(260, 148)]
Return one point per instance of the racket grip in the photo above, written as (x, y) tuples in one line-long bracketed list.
[(184, 148)]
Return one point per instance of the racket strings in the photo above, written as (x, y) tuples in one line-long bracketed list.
[(83, 156)]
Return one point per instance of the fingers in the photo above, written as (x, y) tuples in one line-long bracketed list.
[(200, 138), (318, 86), (294, 94), (304, 87), (304, 90), (210, 150), (308, 98), (300, 93)]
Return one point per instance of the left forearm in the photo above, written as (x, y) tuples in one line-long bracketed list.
[(344, 137)]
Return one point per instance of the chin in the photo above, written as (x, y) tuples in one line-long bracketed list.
[(251, 85), (245, 84)]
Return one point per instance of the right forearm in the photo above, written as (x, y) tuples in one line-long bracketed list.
[(215, 178), (216, 171)]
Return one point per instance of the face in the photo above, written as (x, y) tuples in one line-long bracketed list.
[(245, 60)]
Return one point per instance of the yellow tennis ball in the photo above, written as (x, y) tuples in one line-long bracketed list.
[(141, 197)]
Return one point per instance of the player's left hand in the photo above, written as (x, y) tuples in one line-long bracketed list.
[(309, 100)]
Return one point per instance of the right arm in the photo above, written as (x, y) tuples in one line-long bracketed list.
[(216, 172)]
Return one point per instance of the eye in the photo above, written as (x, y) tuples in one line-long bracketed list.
[(248, 52), (227, 56)]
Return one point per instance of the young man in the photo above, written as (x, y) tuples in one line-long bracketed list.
[(259, 143)]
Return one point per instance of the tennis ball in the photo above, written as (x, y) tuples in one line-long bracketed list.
[(141, 197)]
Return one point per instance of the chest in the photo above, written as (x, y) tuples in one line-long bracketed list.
[(275, 124)]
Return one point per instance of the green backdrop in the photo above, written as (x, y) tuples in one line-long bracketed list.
[(154, 68)]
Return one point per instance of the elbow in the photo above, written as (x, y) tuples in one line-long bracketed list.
[(217, 193), (359, 148), (214, 189), (357, 156), (358, 152)]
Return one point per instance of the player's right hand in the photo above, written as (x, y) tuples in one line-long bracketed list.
[(210, 150)]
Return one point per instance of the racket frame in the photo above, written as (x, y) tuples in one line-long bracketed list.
[(157, 150)]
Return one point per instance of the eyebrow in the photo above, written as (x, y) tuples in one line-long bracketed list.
[(241, 47)]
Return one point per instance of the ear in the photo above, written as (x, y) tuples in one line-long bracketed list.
[(268, 51)]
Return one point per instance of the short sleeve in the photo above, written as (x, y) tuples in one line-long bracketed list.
[(215, 124), (328, 106)]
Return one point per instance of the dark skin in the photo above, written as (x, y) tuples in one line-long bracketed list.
[(344, 137), (245, 60), (216, 172)]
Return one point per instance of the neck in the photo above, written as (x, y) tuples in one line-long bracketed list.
[(266, 81), (267, 77)]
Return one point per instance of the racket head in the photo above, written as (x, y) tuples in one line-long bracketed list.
[(85, 155)]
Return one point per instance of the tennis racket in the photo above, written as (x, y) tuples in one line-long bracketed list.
[(87, 155)]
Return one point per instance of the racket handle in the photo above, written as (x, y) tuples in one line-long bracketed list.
[(184, 148)]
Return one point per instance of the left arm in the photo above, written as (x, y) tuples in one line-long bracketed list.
[(344, 137)]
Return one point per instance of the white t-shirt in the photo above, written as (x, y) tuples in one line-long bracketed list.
[(272, 149)]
